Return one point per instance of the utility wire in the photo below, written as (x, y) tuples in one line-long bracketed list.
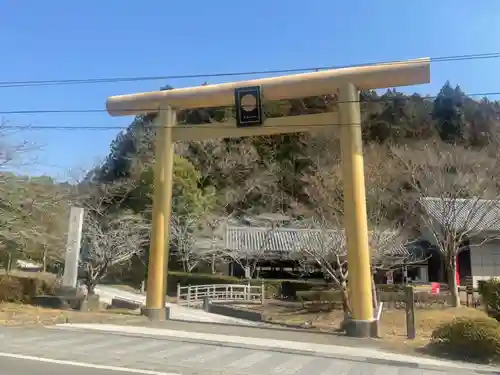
[(277, 104), (204, 125), (6, 84)]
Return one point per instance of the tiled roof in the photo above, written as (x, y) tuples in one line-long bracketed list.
[(464, 214), (286, 241)]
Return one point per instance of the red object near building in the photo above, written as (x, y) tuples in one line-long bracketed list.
[(435, 288), (457, 272)]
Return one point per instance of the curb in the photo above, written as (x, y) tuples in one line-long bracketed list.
[(344, 357)]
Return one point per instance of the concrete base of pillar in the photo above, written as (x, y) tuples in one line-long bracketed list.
[(362, 328), (157, 315)]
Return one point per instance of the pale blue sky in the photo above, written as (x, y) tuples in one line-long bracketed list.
[(56, 39)]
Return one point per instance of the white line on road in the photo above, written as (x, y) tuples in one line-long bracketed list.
[(86, 365)]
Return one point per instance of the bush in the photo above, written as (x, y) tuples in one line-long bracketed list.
[(319, 296), (385, 293), (490, 294), (21, 289), (471, 338), (390, 288)]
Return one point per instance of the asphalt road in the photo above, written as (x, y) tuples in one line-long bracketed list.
[(52, 352), (16, 366)]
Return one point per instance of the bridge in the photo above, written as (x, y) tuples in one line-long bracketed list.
[(194, 295)]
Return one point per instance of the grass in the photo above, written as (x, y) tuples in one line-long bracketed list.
[(17, 314), (13, 314), (392, 326)]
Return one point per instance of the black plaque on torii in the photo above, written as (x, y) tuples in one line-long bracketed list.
[(248, 102)]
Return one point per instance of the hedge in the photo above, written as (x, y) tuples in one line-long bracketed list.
[(490, 294), (469, 338), (22, 288)]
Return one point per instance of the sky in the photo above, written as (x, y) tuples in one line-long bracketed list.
[(56, 39)]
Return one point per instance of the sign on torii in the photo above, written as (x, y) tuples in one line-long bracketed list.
[(248, 97)]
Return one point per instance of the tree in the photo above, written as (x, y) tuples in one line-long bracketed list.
[(448, 113), (15, 204), (241, 177), (110, 236), (387, 240), (455, 194), (188, 244), (50, 205), (109, 241), (261, 229), (328, 251), (33, 213)]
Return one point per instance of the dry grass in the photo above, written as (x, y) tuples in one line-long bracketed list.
[(392, 328), (12, 314)]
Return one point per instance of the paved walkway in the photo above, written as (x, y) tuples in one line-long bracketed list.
[(107, 293), (179, 355)]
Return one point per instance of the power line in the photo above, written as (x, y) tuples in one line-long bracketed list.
[(204, 125), (36, 83), (101, 110)]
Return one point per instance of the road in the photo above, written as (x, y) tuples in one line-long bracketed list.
[(48, 351), (19, 366)]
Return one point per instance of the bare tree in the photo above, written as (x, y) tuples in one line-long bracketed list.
[(111, 235), (210, 241), (392, 249), (455, 195), (329, 253), (109, 241), (192, 242), (182, 240), (387, 239), (15, 208), (15, 155), (328, 250)]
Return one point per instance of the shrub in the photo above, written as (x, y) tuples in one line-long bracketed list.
[(390, 288), (490, 294), (471, 338), (22, 288), (319, 296), (11, 289)]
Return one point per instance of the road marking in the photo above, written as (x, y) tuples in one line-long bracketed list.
[(386, 370), (98, 345), (169, 352), (61, 342), (250, 360), (293, 365), (339, 368), (86, 365), (210, 355)]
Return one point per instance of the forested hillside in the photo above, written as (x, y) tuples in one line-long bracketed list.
[(276, 173)]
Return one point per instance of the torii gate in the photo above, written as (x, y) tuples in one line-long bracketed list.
[(248, 96)]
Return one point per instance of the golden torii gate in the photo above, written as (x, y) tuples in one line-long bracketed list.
[(247, 96)]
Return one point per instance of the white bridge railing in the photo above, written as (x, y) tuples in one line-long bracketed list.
[(195, 295)]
